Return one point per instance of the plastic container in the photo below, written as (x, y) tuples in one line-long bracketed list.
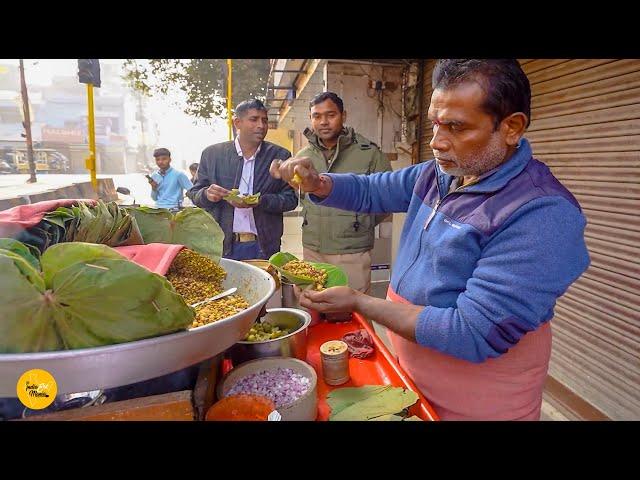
[(335, 362), (241, 407)]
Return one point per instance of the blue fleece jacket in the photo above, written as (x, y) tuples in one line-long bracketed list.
[(487, 261)]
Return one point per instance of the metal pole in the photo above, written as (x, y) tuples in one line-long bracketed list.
[(27, 125), (229, 119), (91, 160), (143, 138)]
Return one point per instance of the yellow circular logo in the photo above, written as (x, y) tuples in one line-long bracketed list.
[(37, 389)]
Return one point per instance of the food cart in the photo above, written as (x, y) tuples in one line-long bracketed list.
[(101, 367)]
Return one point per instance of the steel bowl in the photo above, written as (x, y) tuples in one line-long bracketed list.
[(292, 345), (88, 369), (303, 409)]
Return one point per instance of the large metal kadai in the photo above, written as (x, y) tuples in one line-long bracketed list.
[(110, 366)]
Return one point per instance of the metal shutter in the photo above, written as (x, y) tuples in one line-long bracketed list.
[(426, 133), (586, 128)]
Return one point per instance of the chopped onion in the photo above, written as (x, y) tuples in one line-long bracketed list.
[(283, 386)]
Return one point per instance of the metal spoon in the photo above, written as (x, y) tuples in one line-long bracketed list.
[(216, 297)]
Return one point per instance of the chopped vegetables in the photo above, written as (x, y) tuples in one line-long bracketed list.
[(197, 278), (306, 270), (261, 332), (283, 386), (219, 309), (335, 276)]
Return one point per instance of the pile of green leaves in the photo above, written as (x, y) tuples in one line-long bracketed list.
[(235, 196), (192, 227), (371, 402), (109, 224), (336, 277), (103, 223), (81, 295), (30, 254)]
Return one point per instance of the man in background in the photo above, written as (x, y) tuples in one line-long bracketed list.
[(193, 169), (167, 183)]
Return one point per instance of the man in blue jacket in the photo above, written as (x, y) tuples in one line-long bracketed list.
[(167, 183), (491, 240)]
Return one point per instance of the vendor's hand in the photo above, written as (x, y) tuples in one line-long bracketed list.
[(310, 179), (216, 192), (153, 183), (334, 299)]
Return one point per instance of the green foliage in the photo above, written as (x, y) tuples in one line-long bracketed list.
[(370, 402), (203, 81)]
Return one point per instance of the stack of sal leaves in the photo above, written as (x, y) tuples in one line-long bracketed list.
[(49, 223), (371, 402), (81, 295), (192, 227), (103, 223)]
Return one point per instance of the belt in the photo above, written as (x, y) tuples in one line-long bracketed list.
[(244, 237)]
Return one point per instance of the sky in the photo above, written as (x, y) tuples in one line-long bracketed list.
[(177, 131)]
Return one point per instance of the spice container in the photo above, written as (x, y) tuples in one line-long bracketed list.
[(241, 407), (335, 362)]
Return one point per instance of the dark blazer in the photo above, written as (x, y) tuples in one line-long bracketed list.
[(221, 164)]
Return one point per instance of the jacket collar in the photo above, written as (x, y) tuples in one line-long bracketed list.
[(347, 137), (236, 142)]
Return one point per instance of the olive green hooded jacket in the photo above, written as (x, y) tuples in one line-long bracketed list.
[(329, 230)]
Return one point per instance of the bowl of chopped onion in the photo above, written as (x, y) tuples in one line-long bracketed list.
[(290, 383)]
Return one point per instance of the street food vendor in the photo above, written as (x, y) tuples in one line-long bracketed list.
[(490, 241)]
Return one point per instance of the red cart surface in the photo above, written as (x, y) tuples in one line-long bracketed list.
[(381, 368)]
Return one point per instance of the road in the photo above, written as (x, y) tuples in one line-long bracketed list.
[(15, 185)]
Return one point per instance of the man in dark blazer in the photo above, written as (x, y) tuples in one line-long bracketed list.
[(251, 230)]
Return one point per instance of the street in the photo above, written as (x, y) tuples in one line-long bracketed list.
[(15, 185)]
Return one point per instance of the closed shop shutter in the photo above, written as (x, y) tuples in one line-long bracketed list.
[(426, 133), (586, 128)]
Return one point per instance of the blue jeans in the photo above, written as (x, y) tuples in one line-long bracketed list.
[(246, 251)]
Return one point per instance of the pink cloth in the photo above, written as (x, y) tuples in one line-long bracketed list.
[(505, 388), (156, 257), (360, 343), (16, 219)]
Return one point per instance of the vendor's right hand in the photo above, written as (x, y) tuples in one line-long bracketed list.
[(310, 180), (331, 300), (215, 193)]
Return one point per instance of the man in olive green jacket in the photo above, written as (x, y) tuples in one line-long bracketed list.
[(330, 235)]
